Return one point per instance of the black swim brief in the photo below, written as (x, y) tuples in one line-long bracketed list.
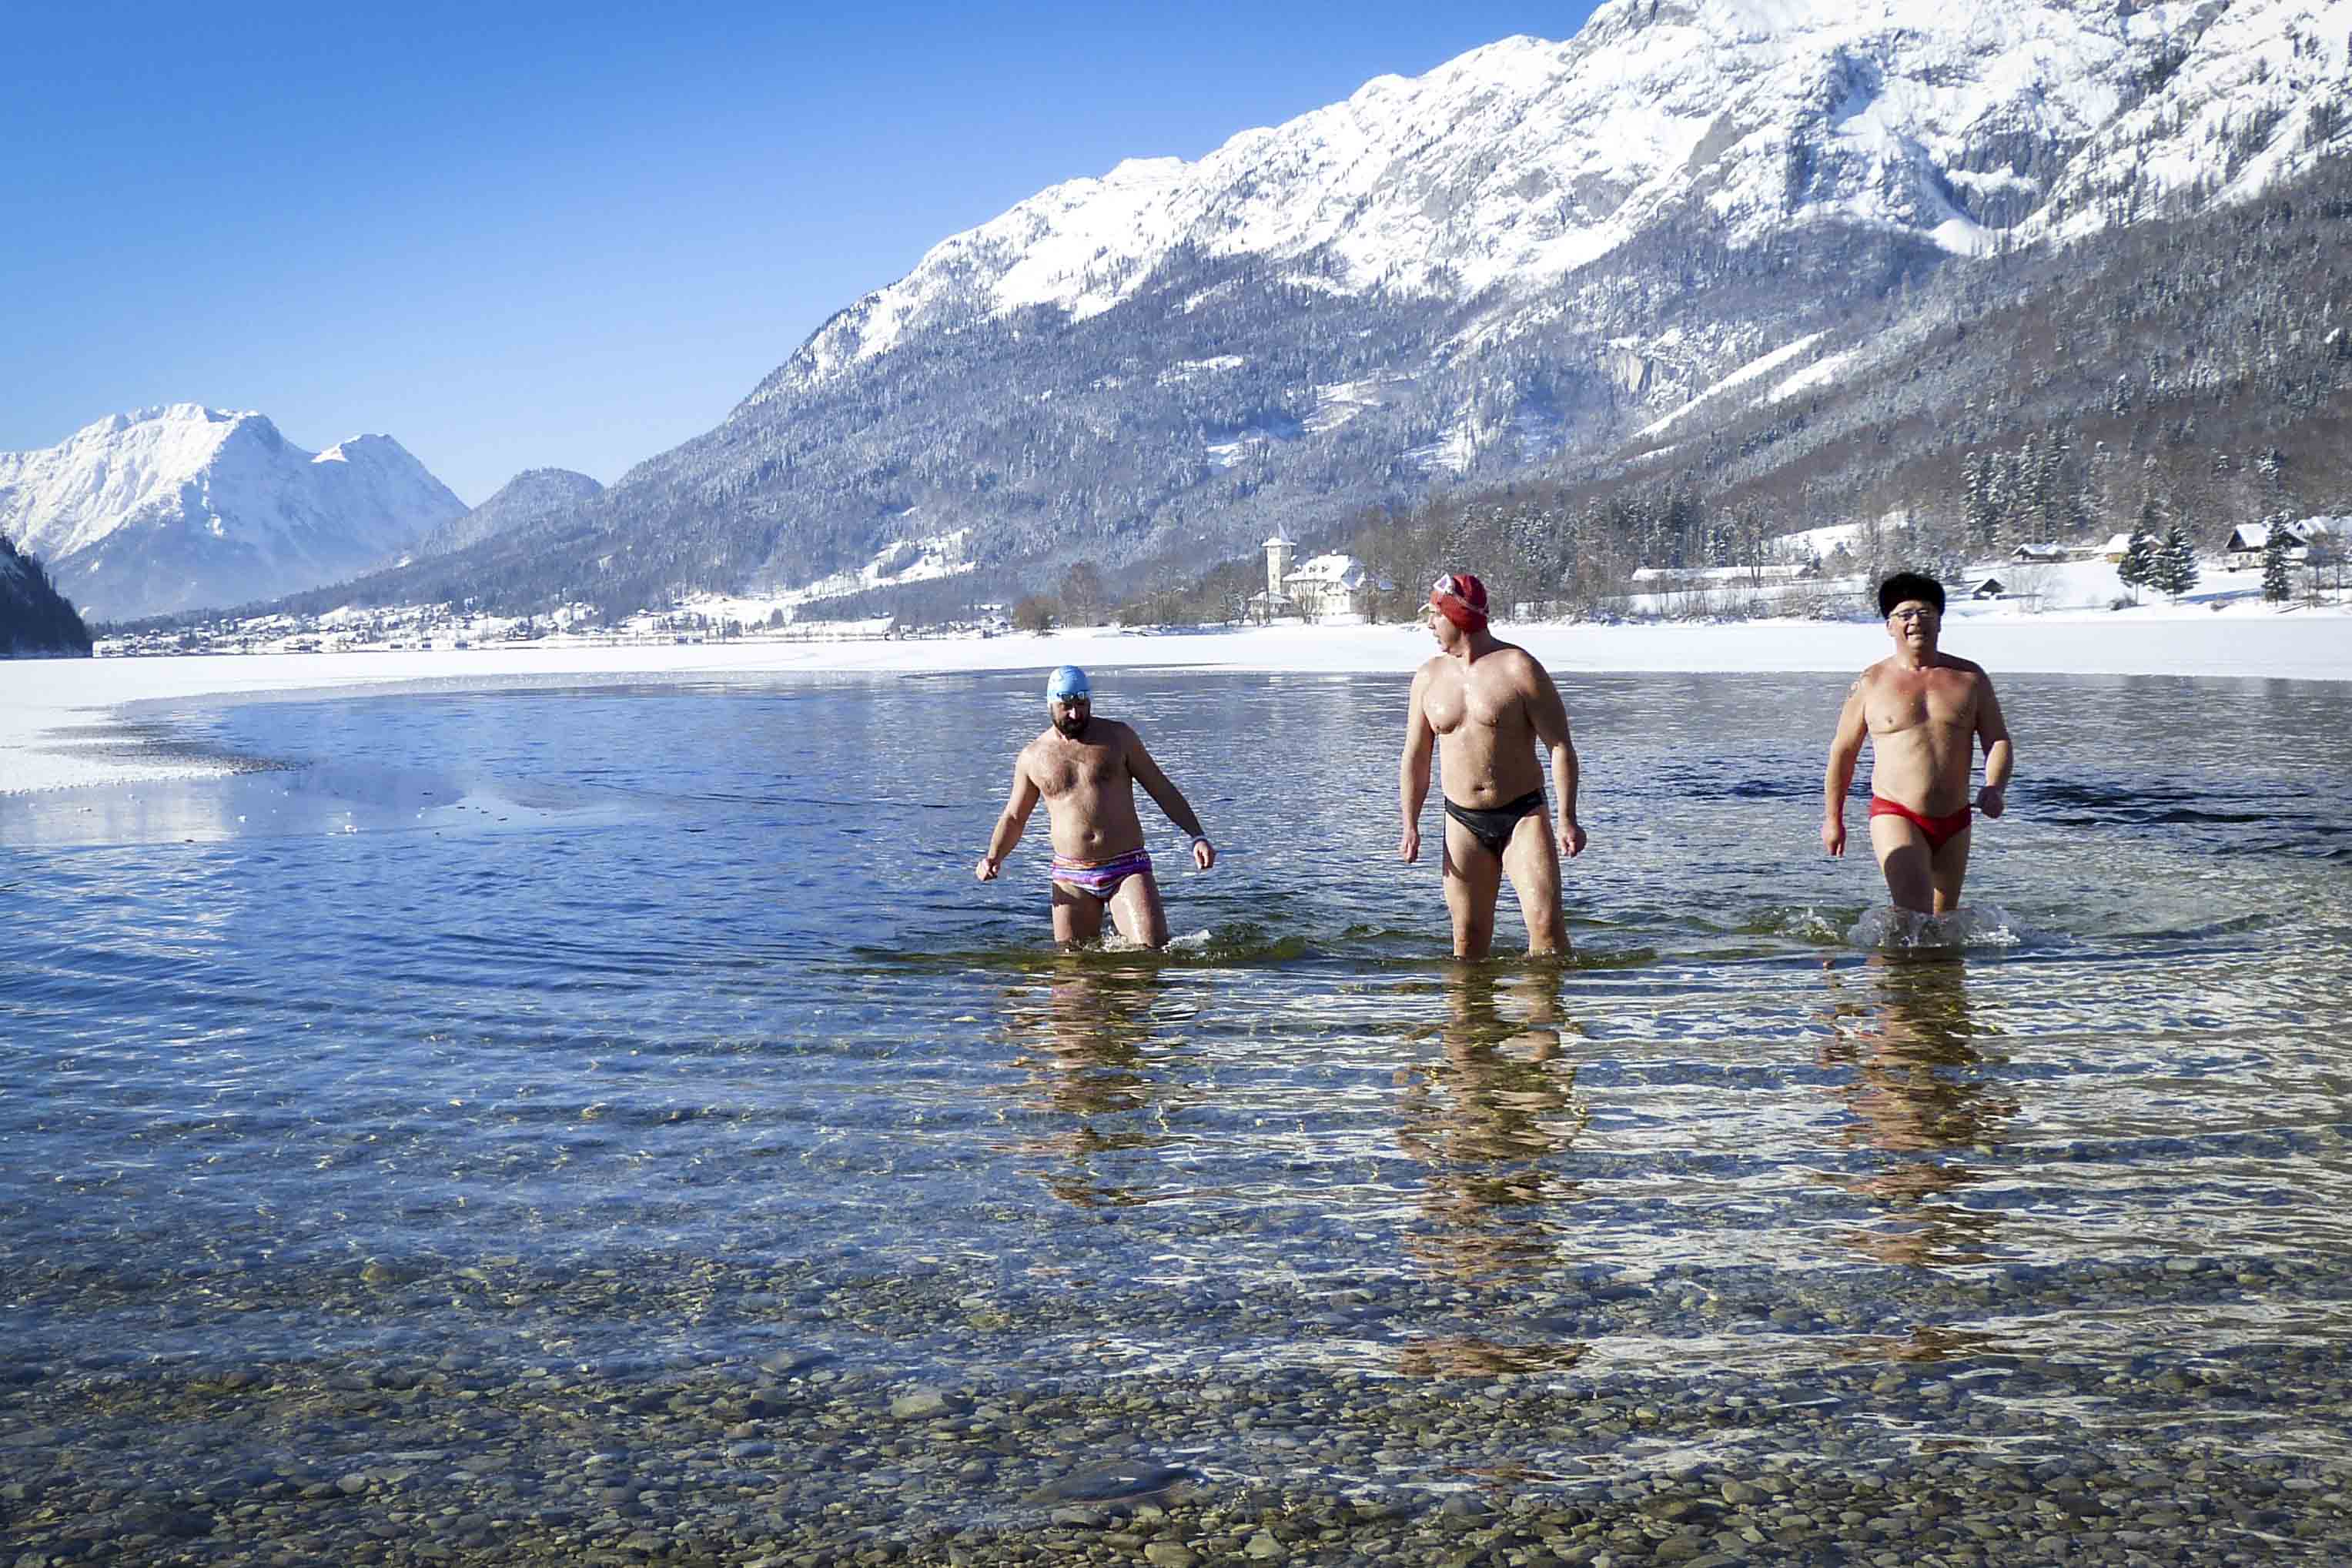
[(1494, 828)]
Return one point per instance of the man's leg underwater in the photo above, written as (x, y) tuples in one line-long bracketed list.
[(1077, 917), (1532, 862), (1135, 910), (1473, 879)]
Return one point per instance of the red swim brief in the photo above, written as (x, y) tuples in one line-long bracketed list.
[(1941, 831)]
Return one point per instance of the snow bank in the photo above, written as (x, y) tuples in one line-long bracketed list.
[(62, 725)]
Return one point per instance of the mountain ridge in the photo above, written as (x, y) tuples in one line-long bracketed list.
[(530, 496), (1506, 267), (180, 506)]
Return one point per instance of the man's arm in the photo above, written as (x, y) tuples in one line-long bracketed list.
[(1845, 750), (1549, 716), (1012, 822), (2000, 756), (1413, 769), (1158, 785)]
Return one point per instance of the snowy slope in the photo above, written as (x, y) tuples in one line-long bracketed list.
[(2252, 93), (1515, 163), (530, 496), (172, 509)]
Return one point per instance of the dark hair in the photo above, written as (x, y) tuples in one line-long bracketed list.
[(1906, 585)]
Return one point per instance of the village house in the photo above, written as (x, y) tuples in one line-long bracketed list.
[(1320, 588), (2309, 540)]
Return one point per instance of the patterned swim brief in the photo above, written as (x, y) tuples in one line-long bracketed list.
[(1099, 879)]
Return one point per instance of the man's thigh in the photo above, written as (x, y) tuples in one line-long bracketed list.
[(1904, 858), (1949, 869), (1077, 917), (1473, 874), (1135, 910), (1532, 862)]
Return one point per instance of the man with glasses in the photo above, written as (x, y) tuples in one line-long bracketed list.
[(1485, 706), (1086, 769), (1923, 713)]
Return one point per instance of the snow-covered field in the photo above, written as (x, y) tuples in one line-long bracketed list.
[(62, 725)]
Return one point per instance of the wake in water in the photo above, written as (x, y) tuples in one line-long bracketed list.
[(1893, 930)]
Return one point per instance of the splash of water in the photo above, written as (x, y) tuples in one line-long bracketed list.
[(1909, 930)]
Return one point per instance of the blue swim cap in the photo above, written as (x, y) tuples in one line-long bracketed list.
[(1069, 681)]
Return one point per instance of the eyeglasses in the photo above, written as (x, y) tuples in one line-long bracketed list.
[(1915, 612)]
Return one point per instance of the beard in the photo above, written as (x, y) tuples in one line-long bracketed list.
[(1074, 726)]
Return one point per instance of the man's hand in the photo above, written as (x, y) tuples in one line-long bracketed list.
[(1204, 853), (1833, 835), (986, 869), (1409, 846), (1993, 799), (1571, 836)]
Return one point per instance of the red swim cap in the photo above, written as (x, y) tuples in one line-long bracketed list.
[(1461, 599)]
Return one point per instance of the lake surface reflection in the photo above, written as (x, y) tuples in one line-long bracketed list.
[(642, 1035)]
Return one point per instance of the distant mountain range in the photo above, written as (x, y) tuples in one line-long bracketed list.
[(1671, 241), (184, 507)]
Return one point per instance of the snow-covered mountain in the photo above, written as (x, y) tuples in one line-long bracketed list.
[(1517, 164), (530, 496), (1514, 264), (185, 507)]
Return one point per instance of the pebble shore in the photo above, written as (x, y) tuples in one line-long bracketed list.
[(797, 1460)]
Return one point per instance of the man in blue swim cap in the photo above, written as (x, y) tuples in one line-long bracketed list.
[(1086, 769), (1068, 685)]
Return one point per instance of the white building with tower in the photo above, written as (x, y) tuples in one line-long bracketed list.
[(1327, 587)]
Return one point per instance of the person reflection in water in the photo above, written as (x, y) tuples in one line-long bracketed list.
[(1488, 1118), (1918, 1096), (1923, 711), (1084, 1041), (1086, 769)]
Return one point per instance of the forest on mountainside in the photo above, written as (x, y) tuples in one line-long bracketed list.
[(2194, 373), (36, 619)]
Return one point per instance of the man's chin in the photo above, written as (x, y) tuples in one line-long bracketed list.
[(1073, 731)]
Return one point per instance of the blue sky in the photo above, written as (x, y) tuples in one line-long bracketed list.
[(519, 236)]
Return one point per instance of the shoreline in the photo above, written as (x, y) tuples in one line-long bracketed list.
[(67, 726)]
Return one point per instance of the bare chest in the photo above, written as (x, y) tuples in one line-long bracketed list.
[(1936, 700), (1458, 705), (1076, 770)]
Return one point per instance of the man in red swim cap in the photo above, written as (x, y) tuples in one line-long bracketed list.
[(1484, 707)]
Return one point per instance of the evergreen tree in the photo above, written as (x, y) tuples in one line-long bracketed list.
[(2278, 585), (2176, 564), (2137, 570), (1976, 496)]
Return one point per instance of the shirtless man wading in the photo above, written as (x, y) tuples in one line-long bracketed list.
[(1487, 705), (1923, 713), (1086, 769)]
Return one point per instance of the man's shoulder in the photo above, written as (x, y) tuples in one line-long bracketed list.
[(1959, 665), (1515, 662)]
